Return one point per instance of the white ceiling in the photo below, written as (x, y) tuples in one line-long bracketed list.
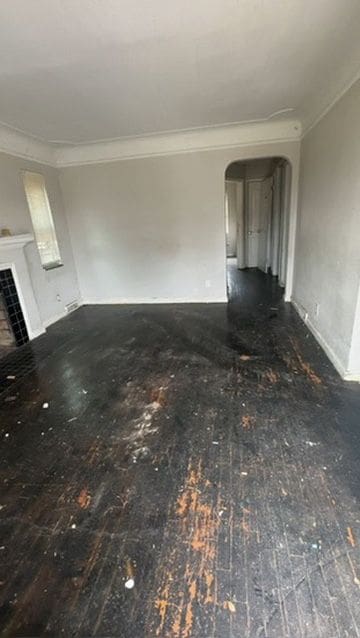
[(85, 70)]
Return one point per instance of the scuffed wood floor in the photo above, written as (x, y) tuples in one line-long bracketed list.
[(209, 454)]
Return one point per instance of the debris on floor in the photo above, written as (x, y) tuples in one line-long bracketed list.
[(350, 537), (157, 396), (142, 452), (228, 604), (248, 422), (218, 512), (84, 499)]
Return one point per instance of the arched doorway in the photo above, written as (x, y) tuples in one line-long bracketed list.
[(257, 207)]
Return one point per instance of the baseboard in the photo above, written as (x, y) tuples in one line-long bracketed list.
[(33, 334), (352, 376), (338, 365), (150, 300), (60, 315), (54, 319), (91, 301)]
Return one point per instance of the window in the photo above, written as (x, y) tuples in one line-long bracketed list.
[(42, 219)]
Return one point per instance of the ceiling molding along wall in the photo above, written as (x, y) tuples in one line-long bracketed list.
[(19, 144), (203, 139), (312, 122)]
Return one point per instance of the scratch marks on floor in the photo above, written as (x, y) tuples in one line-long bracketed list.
[(205, 490), (304, 366), (195, 526)]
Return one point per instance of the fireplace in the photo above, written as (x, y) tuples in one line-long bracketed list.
[(20, 310), (13, 330), (7, 338)]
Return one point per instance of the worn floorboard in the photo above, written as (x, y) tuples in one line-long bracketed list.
[(210, 453)]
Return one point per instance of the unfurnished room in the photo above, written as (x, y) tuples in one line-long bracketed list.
[(180, 318)]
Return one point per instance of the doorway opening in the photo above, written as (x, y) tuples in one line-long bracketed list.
[(257, 207)]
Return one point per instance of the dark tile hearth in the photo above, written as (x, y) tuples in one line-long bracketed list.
[(209, 453)]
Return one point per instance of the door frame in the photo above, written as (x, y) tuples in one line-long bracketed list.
[(292, 157)]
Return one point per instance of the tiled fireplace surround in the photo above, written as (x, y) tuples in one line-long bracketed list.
[(13, 330), (19, 314)]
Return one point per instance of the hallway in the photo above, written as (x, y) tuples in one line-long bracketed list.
[(183, 471), (251, 288)]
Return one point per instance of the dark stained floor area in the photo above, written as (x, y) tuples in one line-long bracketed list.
[(208, 453), (6, 350)]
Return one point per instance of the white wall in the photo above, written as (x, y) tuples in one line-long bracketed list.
[(14, 214), (153, 229), (328, 238)]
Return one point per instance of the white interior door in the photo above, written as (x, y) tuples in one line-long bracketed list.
[(253, 206), (264, 222)]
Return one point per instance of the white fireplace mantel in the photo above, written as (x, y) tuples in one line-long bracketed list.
[(15, 240), (12, 255)]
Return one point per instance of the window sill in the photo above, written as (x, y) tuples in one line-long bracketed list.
[(55, 264)]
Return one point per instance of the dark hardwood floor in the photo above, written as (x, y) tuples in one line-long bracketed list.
[(208, 455)]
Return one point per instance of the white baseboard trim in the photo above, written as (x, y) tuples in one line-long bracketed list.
[(36, 333), (338, 365), (54, 319), (352, 376), (149, 300), (60, 315), (120, 301)]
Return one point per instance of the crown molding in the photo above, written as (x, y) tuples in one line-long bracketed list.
[(310, 123), (204, 139), (19, 144)]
